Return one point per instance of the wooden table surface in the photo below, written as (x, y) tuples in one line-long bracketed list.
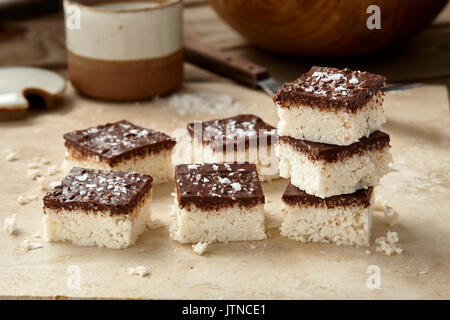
[(425, 58)]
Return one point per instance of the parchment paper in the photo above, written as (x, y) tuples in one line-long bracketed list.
[(418, 188)]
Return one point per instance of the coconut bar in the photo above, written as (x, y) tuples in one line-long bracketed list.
[(121, 146), (242, 138), (98, 208), (217, 202), (326, 170), (333, 106), (342, 219)]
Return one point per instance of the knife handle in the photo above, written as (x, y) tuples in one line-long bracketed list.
[(222, 63)]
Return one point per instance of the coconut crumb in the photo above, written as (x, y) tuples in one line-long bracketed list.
[(423, 272), (33, 165), (390, 215), (33, 174), (23, 200), (12, 156), (155, 224), (10, 224), (200, 247), (138, 271), (387, 245), (368, 252), (42, 183), (252, 246), (51, 171), (27, 245)]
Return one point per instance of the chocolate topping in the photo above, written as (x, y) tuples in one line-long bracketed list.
[(99, 190), (227, 134), (118, 141), (217, 185), (295, 196), (331, 153), (324, 87)]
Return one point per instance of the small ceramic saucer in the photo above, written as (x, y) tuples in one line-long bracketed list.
[(16, 83)]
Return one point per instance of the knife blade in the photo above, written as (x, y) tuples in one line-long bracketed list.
[(243, 71), (401, 87), (270, 85)]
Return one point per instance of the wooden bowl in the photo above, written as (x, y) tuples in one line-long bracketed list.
[(325, 27)]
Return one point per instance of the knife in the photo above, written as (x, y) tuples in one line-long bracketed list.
[(243, 71)]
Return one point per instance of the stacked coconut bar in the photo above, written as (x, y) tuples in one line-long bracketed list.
[(331, 149)]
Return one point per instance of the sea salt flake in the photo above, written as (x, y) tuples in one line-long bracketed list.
[(319, 74), (82, 178), (353, 80), (54, 184), (224, 180), (236, 186), (125, 126), (335, 77)]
